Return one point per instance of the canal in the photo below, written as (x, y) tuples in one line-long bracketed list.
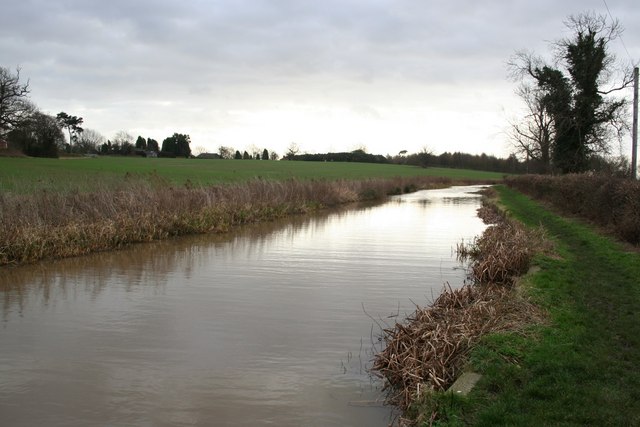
[(273, 324)]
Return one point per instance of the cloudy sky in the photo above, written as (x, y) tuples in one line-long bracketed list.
[(329, 75)]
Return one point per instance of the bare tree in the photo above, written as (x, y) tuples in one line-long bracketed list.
[(199, 150), (292, 150), (533, 135), (15, 107), (225, 152), (123, 143), (90, 141)]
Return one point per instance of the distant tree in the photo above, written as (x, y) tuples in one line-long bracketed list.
[(245, 155), (424, 156), (274, 156), (292, 151), (238, 155), (122, 137), (360, 147), (39, 135), (15, 107), (152, 145), (225, 152), (89, 141), (177, 145), (122, 143), (199, 150), (141, 143), (169, 147), (106, 148), (265, 154), (72, 125)]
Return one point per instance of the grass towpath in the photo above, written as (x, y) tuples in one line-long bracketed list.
[(583, 368)]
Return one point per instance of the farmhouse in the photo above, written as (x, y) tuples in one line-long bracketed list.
[(3, 144), (209, 156)]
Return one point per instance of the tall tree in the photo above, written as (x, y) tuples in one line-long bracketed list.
[(141, 143), (152, 145), (39, 135), (572, 98), (15, 107), (72, 125), (177, 145), (265, 154)]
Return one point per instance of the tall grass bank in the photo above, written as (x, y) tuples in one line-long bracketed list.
[(48, 224)]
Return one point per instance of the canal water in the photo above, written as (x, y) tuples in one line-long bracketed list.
[(274, 324)]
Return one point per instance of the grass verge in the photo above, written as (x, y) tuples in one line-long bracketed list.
[(581, 368)]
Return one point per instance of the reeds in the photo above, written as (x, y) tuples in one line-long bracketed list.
[(502, 253), (48, 224), (427, 351)]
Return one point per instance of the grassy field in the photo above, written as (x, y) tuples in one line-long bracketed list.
[(25, 174), (582, 367)]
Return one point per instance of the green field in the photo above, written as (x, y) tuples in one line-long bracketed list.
[(27, 174)]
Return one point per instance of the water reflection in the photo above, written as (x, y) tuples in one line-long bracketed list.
[(263, 326)]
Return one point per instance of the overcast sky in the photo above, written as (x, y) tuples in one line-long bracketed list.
[(330, 75)]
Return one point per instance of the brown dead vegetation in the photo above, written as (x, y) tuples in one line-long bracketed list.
[(50, 224), (427, 351)]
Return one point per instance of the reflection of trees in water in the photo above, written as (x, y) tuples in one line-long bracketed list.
[(148, 265), (459, 201)]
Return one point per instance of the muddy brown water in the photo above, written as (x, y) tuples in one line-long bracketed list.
[(271, 325)]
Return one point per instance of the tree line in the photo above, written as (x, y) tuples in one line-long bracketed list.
[(225, 152), (458, 160), (35, 133)]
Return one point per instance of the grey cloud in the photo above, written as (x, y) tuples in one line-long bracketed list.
[(253, 52)]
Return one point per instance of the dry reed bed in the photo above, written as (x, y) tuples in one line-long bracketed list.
[(427, 351), (55, 225), (610, 202)]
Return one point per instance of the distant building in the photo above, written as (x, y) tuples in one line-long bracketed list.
[(146, 153), (208, 156), (4, 145)]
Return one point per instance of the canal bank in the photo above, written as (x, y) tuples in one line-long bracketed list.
[(50, 225), (579, 367)]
